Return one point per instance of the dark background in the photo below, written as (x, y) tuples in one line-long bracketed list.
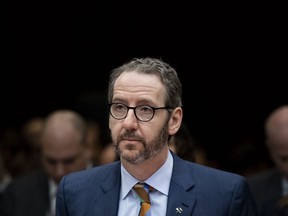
[(232, 64)]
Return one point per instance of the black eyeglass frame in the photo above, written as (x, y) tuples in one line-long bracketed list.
[(134, 109)]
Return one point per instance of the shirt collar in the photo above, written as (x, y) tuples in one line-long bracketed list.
[(164, 173), (284, 187), (52, 187)]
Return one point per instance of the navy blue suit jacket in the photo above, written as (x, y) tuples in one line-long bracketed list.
[(198, 190)]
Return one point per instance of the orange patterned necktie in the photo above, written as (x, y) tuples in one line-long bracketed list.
[(142, 190)]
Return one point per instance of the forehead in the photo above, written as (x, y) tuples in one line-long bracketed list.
[(62, 146), (139, 85)]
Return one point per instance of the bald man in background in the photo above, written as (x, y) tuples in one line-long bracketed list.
[(64, 150), (270, 188)]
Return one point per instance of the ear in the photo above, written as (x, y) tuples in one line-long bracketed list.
[(109, 123), (175, 121)]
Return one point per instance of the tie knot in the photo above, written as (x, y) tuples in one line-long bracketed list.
[(142, 190)]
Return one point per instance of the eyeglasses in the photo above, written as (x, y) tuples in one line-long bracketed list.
[(143, 113)]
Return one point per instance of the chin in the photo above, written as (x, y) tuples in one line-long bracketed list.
[(128, 146), (128, 152)]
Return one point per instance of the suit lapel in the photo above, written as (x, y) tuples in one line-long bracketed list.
[(107, 204), (181, 198)]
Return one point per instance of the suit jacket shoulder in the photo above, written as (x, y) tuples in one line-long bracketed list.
[(26, 195), (94, 191), (193, 187)]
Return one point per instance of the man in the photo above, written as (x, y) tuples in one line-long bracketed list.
[(271, 186), (63, 151), (145, 111)]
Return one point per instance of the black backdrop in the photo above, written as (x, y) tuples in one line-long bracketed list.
[(232, 68)]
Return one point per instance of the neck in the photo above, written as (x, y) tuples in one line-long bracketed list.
[(147, 168)]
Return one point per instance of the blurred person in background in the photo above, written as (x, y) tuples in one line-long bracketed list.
[(279, 207), (63, 150), (183, 144), (31, 133), (93, 140), (108, 154), (186, 147), (270, 187), (247, 158)]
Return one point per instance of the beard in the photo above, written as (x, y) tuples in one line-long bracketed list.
[(151, 148)]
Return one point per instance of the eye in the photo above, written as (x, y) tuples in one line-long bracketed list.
[(284, 159), (69, 161), (145, 109), (119, 107), (51, 161)]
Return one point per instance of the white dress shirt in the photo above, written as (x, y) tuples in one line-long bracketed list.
[(52, 196), (129, 203), (284, 187)]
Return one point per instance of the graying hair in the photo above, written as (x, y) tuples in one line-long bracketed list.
[(163, 70)]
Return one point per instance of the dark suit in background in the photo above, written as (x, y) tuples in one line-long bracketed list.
[(26, 196), (267, 190), (63, 150), (266, 186), (270, 188)]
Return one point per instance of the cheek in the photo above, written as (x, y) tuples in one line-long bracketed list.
[(115, 130), (152, 131), (113, 123), (110, 123), (50, 169), (73, 167)]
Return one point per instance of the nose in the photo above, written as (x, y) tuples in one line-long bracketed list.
[(59, 171), (130, 122)]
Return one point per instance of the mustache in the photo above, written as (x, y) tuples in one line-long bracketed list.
[(130, 135)]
